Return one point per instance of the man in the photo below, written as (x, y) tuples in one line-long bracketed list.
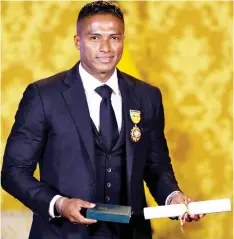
[(97, 134)]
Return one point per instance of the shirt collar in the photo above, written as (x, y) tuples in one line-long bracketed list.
[(90, 83)]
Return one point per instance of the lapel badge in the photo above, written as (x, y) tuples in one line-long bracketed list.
[(135, 131)]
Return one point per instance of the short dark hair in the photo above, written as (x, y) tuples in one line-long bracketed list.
[(100, 7)]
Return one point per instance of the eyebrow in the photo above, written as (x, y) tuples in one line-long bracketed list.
[(99, 34)]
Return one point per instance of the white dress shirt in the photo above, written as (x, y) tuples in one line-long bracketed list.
[(94, 99)]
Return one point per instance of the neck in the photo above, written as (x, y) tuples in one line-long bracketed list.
[(104, 77), (101, 76)]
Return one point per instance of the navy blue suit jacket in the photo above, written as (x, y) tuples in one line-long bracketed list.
[(53, 128)]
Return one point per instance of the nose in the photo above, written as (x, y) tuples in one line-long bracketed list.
[(105, 46)]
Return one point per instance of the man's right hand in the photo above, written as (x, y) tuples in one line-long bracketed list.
[(71, 210)]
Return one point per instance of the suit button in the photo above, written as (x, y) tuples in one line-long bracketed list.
[(94, 185), (109, 170), (108, 185), (108, 156), (107, 198)]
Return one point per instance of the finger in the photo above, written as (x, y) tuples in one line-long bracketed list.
[(86, 204), (86, 221), (194, 217), (188, 218), (89, 221), (189, 200), (201, 215)]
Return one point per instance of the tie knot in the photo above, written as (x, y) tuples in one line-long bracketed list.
[(104, 91)]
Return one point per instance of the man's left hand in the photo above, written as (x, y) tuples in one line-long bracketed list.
[(181, 198)]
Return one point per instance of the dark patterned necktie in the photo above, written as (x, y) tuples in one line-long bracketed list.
[(108, 124)]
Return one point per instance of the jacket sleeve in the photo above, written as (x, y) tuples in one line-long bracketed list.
[(159, 175), (23, 151)]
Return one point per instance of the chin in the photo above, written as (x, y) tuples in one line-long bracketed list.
[(105, 69)]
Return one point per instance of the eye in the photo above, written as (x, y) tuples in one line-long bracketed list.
[(115, 38), (95, 38)]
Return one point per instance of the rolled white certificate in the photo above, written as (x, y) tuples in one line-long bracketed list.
[(175, 210), (211, 206)]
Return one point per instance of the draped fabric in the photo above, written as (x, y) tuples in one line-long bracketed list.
[(185, 48)]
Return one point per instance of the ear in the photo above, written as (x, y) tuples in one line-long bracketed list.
[(77, 41)]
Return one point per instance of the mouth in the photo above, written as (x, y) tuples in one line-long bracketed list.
[(105, 59)]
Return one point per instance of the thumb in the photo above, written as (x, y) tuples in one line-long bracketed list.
[(86, 204), (91, 205)]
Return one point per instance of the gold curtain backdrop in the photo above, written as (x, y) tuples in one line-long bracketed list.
[(184, 47)]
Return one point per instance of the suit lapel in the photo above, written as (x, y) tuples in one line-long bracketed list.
[(77, 104), (130, 102)]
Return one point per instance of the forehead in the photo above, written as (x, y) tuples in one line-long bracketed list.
[(101, 22)]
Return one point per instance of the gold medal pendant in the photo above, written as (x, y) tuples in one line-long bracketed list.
[(135, 131), (135, 134)]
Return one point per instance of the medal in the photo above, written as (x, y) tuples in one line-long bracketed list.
[(135, 116), (135, 131), (135, 134)]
